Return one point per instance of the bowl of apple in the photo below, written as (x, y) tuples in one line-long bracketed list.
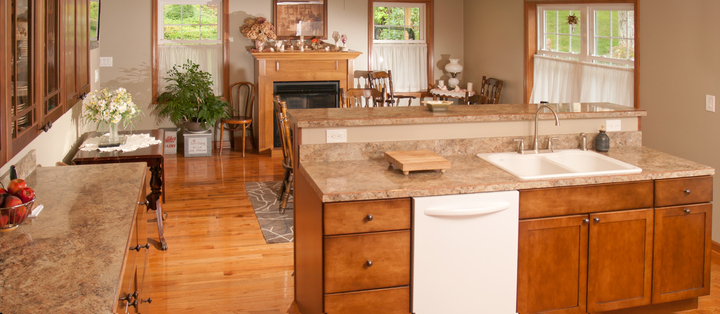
[(16, 203)]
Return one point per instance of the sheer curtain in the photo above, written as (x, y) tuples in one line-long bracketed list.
[(408, 63), (208, 57), (567, 81)]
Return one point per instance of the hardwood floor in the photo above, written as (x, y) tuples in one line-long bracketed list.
[(218, 262)]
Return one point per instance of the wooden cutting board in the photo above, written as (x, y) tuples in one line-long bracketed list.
[(416, 160)]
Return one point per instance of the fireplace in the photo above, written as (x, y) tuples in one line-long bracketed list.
[(306, 95)]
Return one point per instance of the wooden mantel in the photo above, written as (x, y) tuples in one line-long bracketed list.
[(294, 66)]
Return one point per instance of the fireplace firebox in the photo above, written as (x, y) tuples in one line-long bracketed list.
[(306, 95)]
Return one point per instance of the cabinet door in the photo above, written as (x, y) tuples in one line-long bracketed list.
[(620, 260), (75, 50), (552, 265), (682, 252)]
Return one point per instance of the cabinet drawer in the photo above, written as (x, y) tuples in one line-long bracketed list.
[(683, 191), (367, 216), (388, 301), (548, 202), (367, 261)]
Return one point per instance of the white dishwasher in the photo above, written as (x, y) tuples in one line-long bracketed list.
[(465, 253)]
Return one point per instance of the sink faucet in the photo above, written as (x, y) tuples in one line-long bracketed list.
[(537, 114)]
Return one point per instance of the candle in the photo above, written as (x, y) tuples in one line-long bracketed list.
[(441, 83), (469, 87)]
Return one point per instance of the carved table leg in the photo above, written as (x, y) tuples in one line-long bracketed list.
[(154, 197)]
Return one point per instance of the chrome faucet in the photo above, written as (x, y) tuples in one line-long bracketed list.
[(537, 114)]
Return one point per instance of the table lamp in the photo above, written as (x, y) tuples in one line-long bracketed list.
[(453, 68)]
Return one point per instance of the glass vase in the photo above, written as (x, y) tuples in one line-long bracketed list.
[(113, 132), (112, 139), (259, 45)]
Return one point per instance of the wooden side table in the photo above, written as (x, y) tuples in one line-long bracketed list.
[(153, 155)]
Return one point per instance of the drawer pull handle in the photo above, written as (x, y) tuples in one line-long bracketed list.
[(596, 219), (686, 210), (687, 192), (369, 217), (586, 221), (369, 263)]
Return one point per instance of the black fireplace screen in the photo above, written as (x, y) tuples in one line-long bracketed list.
[(306, 95)]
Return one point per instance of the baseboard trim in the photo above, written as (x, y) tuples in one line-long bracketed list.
[(716, 247)]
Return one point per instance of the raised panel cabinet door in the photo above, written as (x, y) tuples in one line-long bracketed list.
[(552, 265), (620, 260), (681, 268), (386, 301)]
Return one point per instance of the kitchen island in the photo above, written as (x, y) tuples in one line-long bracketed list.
[(351, 207), (73, 256)]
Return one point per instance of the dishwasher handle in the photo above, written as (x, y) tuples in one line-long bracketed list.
[(492, 208)]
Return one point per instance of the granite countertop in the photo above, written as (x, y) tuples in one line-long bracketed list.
[(337, 181), (336, 117), (70, 258)]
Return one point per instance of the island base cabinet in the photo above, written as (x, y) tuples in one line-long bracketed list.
[(682, 252), (391, 301), (552, 265)]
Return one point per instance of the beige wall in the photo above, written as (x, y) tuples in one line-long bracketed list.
[(493, 45), (679, 44)]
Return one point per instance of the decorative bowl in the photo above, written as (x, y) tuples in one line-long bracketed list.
[(437, 105), (11, 217)]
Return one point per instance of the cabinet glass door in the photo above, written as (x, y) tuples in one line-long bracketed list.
[(23, 114), (51, 105)]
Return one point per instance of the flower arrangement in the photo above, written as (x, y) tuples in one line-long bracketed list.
[(109, 107), (317, 43), (572, 21), (258, 29)]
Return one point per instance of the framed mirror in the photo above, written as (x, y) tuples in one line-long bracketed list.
[(295, 18)]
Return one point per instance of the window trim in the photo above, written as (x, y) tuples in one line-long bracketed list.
[(531, 38), (161, 22), (429, 34), (423, 23)]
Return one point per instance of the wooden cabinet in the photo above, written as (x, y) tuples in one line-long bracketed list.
[(682, 239), (76, 52), (131, 297)]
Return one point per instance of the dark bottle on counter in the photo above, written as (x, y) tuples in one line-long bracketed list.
[(602, 141)]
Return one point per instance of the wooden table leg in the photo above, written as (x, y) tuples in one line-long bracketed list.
[(155, 202), (159, 217)]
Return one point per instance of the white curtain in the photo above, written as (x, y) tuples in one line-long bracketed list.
[(568, 81), (208, 57), (408, 63)]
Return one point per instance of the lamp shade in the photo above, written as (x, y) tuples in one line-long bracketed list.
[(454, 66)]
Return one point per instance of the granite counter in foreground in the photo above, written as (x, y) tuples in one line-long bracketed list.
[(337, 181), (70, 258)]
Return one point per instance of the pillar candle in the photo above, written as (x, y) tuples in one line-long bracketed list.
[(469, 87), (441, 83)]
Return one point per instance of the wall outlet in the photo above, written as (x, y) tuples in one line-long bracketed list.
[(336, 136), (97, 75), (710, 103), (613, 125), (106, 61)]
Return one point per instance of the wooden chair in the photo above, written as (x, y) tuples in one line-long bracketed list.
[(489, 91), (280, 108), (383, 80), (361, 97), (242, 103)]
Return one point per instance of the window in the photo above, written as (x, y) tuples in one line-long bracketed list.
[(190, 30), (402, 43), (94, 20), (399, 23), (604, 34)]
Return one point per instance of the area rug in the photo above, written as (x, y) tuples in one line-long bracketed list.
[(276, 227)]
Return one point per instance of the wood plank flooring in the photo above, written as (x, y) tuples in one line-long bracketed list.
[(218, 261)]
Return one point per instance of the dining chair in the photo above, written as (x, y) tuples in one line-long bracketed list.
[(383, 79), (280, 108), (362, 97), (242, 103), (489, 91)]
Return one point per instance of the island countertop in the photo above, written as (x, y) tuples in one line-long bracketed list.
[(70, 258), (338, 181), (338, 117)]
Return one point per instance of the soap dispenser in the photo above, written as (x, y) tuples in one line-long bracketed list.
[(602, 141)]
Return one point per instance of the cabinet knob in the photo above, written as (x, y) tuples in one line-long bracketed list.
[(135, 248), (686, 210), (586, 221), (46, 127), (687, 191), (146, 246), (596, 219), (369, 263), (149, 300), (146, 203), (369, 217)]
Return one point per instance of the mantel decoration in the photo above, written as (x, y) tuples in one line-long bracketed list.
[(259, 30), (572, 21), (111, 108)]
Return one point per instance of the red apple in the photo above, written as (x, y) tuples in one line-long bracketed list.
[(11, 200), (18, 215), (3, 191), (16, 185), (4, 220), (26, 195)]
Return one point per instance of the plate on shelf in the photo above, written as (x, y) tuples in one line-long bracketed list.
[(437, 105)]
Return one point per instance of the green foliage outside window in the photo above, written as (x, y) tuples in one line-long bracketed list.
[(94, 18), (190, 22), (397, 23)]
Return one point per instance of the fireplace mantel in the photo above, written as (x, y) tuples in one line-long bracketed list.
[(294, 66)]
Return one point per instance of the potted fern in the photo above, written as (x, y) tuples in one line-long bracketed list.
[(189, 99)]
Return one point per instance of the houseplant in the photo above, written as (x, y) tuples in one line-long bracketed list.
[(189, 99)]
